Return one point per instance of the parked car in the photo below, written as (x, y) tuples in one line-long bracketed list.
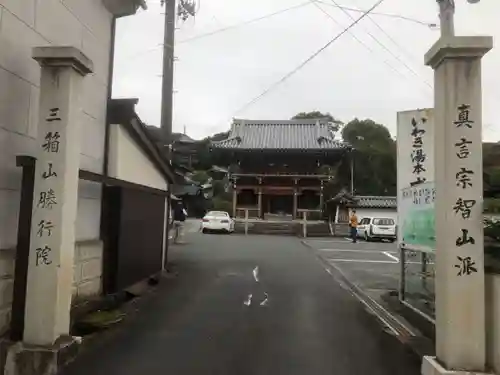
[(377, 228), (217, 221)]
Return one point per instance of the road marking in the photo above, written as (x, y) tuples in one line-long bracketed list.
[(256, 274), (264, 303), (361, 261), (357, 251), (391, 256), (248, 301), (328, 270)]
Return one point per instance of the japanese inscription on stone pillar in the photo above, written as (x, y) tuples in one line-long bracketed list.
[(46, 198), (467, 207)]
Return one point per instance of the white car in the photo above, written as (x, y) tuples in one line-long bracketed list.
[(377, 228), (217, 221)]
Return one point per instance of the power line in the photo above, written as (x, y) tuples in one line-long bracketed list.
[(243, 23), (227, 28), (308, 60), (357, 39), (385, 47), (232, 27), (391, 15)]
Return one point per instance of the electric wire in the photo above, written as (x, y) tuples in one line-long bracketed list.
[(308, 60)]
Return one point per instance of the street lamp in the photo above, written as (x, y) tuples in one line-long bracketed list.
[(446, 14)]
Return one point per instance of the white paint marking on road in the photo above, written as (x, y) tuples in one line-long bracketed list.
[(256, 273), (355, 251), (328, 270), (248, 301), (264, 303), (361, 261), (391, 256)]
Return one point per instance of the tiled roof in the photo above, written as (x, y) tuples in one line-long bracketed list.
[(375, 202), (284, 135)]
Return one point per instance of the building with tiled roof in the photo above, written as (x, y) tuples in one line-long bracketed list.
[(278, 164), (302, 135)]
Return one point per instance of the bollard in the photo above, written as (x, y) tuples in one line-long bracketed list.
[(304, 224), (246, 222)]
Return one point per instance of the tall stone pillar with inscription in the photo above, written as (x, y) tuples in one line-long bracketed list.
[(50, 271), (460, 294)]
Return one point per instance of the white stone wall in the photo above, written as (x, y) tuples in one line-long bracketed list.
[(87, 277), (380, 212), (87, 280), (24, 24)]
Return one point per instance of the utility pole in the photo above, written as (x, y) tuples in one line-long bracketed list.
[(167, 90)]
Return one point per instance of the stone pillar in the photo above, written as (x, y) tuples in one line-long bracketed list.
[(50, 270), (460, 294)]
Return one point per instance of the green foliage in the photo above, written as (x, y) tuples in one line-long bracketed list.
[(317, 115), (374, 159), (218, 187), (367, 135), (220, 204), (200, 176)]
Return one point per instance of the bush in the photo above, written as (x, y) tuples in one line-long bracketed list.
[(219, 204)]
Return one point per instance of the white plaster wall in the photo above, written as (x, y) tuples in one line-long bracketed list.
[(128, 162), (374, 212), (24, 24)]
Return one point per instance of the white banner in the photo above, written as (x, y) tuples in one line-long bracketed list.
[(415, 156)]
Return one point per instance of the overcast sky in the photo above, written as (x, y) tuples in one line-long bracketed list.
[(217, 75)]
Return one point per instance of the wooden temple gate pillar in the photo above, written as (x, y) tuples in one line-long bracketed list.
[(259, 198), (235, 197), (321, 199), (295, 198)]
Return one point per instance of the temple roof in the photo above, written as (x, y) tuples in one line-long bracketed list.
[(364, 201), (281, 135)]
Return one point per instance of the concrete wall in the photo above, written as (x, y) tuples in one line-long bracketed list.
[(377, 212), (23, 25), (493, 321), (128, 162), (87, 280)]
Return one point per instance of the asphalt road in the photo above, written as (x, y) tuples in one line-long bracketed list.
[(255, 305), (375, 267)]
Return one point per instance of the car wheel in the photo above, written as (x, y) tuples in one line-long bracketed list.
[(204, 230), (392, 240), (367, 239)]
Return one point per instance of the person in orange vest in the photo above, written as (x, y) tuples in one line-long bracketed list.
[(353, 225)]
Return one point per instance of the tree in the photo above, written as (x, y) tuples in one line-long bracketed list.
[(201, 177), (336, 124), (374, 159), (367, 135)]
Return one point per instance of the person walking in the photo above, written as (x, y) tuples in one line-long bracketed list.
[(180, 215), (353, 225)]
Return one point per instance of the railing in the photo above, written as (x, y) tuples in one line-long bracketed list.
[(283, 174)]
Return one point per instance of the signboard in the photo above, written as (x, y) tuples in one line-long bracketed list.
[(415, 156), (416, 213)]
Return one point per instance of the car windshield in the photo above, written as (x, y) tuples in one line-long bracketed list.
[(383, 222), (217, 213)]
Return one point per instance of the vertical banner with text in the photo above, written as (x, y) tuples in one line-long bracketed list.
[(416, 190)]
